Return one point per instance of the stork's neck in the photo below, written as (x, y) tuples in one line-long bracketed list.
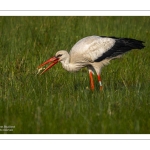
[(69, 66)]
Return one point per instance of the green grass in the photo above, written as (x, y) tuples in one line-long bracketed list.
[(61, 102)]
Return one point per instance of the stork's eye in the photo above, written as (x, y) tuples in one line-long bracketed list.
[(59, 55)]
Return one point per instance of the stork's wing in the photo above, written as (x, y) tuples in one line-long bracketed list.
[(92, 47), (121, 46), (95, 48)]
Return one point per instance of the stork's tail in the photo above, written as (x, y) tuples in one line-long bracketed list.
[(130, 43), (124, 45), (121, 46)]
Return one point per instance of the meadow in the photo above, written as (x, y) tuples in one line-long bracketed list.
[(59, 102)]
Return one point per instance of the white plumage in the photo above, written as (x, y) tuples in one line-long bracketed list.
[(92, 47), (93, 52)]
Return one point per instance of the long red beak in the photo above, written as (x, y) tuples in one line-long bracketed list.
[(54, 61)]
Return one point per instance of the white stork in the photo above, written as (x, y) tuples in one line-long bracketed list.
[(93, 52)]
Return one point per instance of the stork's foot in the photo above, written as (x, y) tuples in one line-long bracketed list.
[(101, 88), (91, 81), (100, 82), (92, 88)]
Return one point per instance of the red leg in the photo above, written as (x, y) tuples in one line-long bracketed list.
[(91, 80), (100, 82)]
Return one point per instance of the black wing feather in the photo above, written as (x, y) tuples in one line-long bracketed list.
[(121, 46)]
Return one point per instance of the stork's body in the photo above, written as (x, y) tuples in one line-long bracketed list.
[(93, 52)]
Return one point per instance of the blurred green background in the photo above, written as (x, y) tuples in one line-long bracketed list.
[(61, 102)]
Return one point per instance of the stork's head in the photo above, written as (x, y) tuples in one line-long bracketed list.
[(59, 56)]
